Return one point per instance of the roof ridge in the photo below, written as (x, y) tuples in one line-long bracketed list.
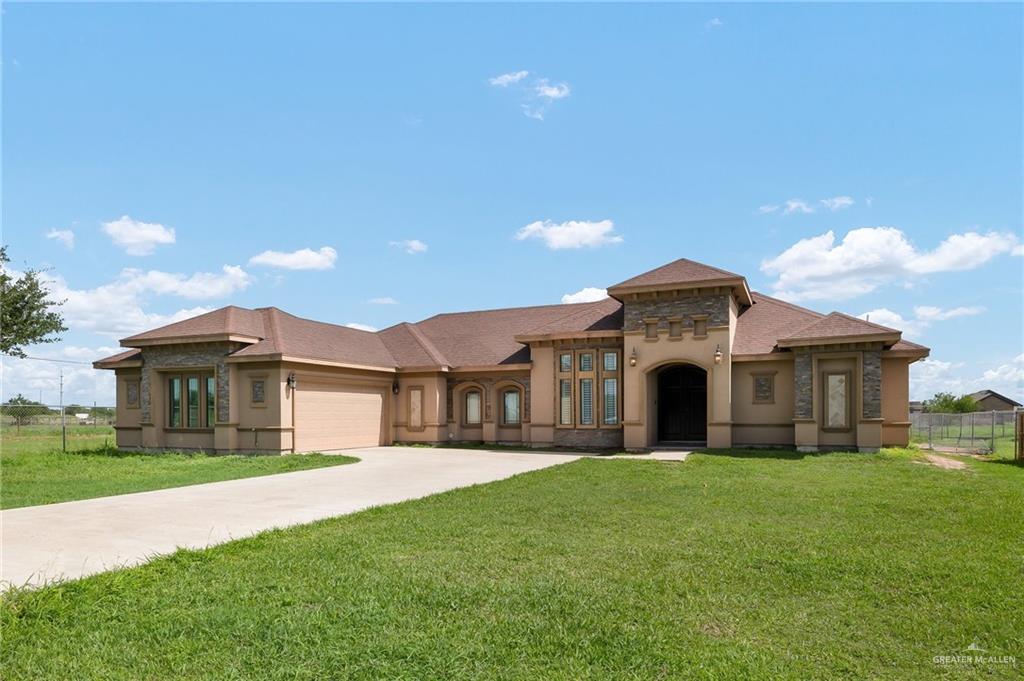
[(569, 315), (426, 344), (507, 309), (270, 320)]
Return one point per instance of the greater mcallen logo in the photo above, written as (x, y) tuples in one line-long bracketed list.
[(974, 654)]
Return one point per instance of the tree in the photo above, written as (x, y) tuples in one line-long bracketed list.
[(27, 315), (948, 403), (22, 409)]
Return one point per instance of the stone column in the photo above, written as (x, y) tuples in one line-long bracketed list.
[(805, 428), (869, 428)]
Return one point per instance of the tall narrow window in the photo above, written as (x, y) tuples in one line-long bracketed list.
[(565, 362), (837, 401), (211, 401), (473, 407), (510, 414), (415, 407), (611, 401), (586, 401), (193, 401), (174, 385), (565, 402), (611, 361)]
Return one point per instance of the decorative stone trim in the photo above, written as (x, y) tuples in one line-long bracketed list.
[(803, 386), (871, 384)]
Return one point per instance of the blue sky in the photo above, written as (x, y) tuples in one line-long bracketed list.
[(865, 158)]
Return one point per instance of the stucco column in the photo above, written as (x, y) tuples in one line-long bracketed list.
[(720, 407)]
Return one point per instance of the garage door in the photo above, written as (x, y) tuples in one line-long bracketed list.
[(337, 416)]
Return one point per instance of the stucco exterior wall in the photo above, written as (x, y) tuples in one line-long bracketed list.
[(895, 402), (434, 413), (763, 423), (491, 429)]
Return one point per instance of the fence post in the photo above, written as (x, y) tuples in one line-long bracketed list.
[(63, 419), (993, 432)]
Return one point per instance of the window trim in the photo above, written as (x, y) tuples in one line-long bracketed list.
[(253, 379), (700, 318), (465, 407), (754, 375), (579, 417), (137, 404), (503, 391), (561, 365), (562, 399), (183, 376), (849, 401), (604, 397), (408, 408)]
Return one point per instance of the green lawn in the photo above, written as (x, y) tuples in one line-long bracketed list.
[(33, 470), (728, 566)]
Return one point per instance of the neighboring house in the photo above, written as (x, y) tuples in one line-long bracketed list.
[(990, 400), (916, 406), (685, 355)]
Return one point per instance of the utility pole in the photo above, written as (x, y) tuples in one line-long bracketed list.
[(63, 421)]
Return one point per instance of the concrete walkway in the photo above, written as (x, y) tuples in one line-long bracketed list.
[(78, 538)]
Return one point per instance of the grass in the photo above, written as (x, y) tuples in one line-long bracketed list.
[(33, 469), (735, 565)]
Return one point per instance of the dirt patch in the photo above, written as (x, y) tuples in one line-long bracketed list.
[(945, 462)]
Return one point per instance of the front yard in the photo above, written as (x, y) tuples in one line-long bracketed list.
[(737, 565), (34, 471)]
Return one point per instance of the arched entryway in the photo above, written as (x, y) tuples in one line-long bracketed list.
[(682, 404)]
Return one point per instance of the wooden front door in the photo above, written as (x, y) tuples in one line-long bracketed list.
[(682, 404)]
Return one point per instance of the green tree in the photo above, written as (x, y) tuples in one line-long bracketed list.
[(27, 315), (22, 409), (948, 403)]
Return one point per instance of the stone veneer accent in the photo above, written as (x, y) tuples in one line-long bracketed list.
[(488, 384), (871, 388), (803, 385), (187, 356), (597, 438), (716, 307)]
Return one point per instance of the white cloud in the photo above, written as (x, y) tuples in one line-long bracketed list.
[(65, 236), (886, 317), (410, 246), (767, 208), (38, 380), (506, 79), (138, 238), (1011, 374), (571, 234), (818, 268), (302, 259), (797, 206), (589, 294), (837, 203), (387, 300), (545, 89), (714, 23), (932, 376), (937, 314), (361, 327), (924, 316)]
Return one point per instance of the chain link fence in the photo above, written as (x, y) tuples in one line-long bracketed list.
[(41, 427), (981, 432)]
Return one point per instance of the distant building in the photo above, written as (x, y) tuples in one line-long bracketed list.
[(916, 406), (990, 400)]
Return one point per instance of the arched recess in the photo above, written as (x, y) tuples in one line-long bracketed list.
[(460, 426), (509, 429), (678, 402)]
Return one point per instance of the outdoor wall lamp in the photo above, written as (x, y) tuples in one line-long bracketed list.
[(718, 354), (632, 358), (292, 382), (394, 388)]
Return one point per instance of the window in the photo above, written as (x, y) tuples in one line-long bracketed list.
[(191, 399), (565, 402), (175, 394), (611, 361), (764, 388), (131, 389), (473, 407), (510, 407), (565, 362), (211, 401), (416, 407), (586, 401), (700, 328), (258, 391), (611, 401), (586, 362), (837, 401)]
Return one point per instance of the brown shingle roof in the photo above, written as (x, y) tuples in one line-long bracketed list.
[(293, 336), (132, 354), (228, 320), (680, 271), (759, 327), (409, 347), (836, 325)]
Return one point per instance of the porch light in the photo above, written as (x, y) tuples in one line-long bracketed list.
[(394, 388), (292, 382), (632, 358), (718, 354)]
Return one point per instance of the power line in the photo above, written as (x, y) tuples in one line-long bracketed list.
[(49, 359)]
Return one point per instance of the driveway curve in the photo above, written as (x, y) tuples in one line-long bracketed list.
[(78, 538)]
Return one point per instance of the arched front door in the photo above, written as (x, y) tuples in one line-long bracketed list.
[(682, 404)]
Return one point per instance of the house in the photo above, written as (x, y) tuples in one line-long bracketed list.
[(916, 406), (685, 354), (990, 400)]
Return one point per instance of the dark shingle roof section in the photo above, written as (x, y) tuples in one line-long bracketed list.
[(982, 394), (230, 320), (837, 325), (409, 347), (759, 327), (680, 271), (127, 355)]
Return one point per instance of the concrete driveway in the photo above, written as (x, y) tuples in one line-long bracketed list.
[(78, 538)]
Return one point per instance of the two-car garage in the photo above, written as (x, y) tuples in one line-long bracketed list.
[(338, 414)]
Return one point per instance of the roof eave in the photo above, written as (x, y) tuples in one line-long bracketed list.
[(738, 284), (528, 338), (132, 342), (835, 340), (121, 364)]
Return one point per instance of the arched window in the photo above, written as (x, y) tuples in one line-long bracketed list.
[(472, 408), (510, 407)]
